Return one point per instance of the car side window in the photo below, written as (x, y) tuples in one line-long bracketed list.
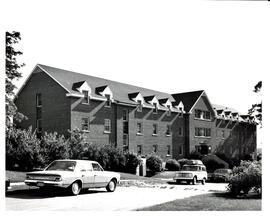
[(96, 167), (203, 169)]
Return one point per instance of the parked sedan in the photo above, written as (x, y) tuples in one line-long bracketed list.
[(221, 175), (73, 175)]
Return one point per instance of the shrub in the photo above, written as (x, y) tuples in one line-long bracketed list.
[(77, 147), (195, 155), (245, 177), (182, 162), (22, 149), (212, 162), (154, 163), (172, 165), (132, 162), (53, 147)]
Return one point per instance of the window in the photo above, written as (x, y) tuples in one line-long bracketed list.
[(139, 149), (125, 115), (168, 150), (202, 114), (155, 111), (125, 127), (180, 131), (139, 108), (85, 97), (39, 125), (203, 132), (155, 148), (139, 128), (96, 167), (85, 124), (180, 150), (108, 101), (168, 131), (197, 113), (107, 125), (169, 110), (207, 115), (125, 140), (38, 100), (155, 129)]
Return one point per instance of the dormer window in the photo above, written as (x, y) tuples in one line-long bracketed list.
[(85, 97), (108, 101), (169, 110), (139, 108), (155, 111)]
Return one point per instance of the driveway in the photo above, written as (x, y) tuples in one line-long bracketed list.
[(124, 198)]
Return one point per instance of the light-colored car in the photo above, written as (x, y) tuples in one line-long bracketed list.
[(192, 173), (74, 175)]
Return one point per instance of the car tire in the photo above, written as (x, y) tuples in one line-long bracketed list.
[(75, 188), (178, 181), (111, 186), (203, 181), (194, 180)]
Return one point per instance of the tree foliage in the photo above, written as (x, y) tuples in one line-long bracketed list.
[(12, 73), (256, 109)]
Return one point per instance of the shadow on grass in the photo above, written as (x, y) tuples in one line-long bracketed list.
[(228, 195)]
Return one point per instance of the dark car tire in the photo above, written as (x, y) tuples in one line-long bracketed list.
[(111, 186), (75, 188), (194, 180), (178, 181), (203, 181)]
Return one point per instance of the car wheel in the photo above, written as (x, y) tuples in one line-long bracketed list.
[(203, 181), (75, 188), (194, 180), (111, 186)]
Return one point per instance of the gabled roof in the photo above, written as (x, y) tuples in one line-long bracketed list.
[(120, 90), (100, 89), (77, 85), (188, 98)]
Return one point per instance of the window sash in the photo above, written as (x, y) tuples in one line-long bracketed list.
[(168, 131), (155, 129), (107, 125), (155, 111), (85, 124), (139, 127), (38, 100), (108, 101), (168, 150), (85, 97), (139, 108)]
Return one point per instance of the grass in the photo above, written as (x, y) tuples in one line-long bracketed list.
[(211, 202)]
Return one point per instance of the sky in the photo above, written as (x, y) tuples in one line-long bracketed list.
[(169, 46)]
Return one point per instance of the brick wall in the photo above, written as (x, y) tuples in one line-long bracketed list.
[(97, 112), (55, 104)]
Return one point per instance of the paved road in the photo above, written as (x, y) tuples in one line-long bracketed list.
[(124, 198)]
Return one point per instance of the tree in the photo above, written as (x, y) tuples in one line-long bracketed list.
[(12, 73), (256, 109)]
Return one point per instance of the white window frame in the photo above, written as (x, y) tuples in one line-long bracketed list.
[(107, 125), (108, 102), (84, 97), (88, 124), (139, 128), (38, 96)]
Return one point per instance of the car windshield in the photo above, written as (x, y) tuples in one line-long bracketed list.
[(190, 168), (62, 165), (222, 171)]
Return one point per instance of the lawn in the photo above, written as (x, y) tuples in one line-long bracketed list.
[(210, 202)]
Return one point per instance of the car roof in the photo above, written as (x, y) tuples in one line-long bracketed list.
[(76, 160)]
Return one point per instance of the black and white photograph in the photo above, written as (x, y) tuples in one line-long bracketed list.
[(134, 106)]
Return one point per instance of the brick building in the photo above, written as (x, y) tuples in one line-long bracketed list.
[(132, 118)]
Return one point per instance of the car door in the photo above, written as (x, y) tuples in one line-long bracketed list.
[(87, 175), (100, 178)]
